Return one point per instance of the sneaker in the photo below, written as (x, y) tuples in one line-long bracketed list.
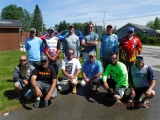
[(74, 90), (45, 103), (146, 104), (36, 103)]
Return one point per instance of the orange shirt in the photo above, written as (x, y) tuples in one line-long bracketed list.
[(129, 48)]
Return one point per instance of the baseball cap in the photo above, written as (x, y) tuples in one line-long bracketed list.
[(71, 26), (131, 29), (92, 53), (51, 29), (33, 29), (109, 25), (139, 57), (44, 57)]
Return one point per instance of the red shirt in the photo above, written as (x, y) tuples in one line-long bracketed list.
[(129, 48)]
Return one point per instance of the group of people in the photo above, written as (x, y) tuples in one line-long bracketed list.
[(37, 74)]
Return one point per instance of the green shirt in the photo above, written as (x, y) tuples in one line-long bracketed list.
[(118, 72)]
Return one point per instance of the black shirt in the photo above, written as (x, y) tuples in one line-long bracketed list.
[(45, 74)]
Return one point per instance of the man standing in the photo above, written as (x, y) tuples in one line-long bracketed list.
[(71, 68), (33, 47), (92, 72), (52, 50), (43, 79), (143, 81), (109, 44), (129, 47), (21, 77), (119, 74), (89, 42), (71, 41)]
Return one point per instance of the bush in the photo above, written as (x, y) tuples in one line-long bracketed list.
[(153, 40)]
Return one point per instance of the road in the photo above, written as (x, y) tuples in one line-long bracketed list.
[(88, 106)]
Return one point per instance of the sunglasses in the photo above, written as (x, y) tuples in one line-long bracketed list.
[(22, 60), (70, 53), (90, 27), (113, 58), (130, 32), (42, 61)]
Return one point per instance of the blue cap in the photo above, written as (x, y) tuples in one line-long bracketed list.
[(131, 29), (139, 57)]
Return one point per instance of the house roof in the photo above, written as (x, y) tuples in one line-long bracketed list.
[(141, 27), (10, 23)]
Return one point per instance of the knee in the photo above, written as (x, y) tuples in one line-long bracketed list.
[(117, 97), (17, 86)]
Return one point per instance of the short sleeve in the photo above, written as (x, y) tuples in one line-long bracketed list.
[(63, 64)]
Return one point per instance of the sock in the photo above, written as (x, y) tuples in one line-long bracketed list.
[(38, 98)]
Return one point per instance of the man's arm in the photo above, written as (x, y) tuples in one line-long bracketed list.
[(94, 43), (84, 77), (96, 76)]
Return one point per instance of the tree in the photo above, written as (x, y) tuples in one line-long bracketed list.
[(37, 21), (150, 24), (17, 13), (157, 23)]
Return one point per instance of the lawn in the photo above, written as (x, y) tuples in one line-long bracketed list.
[(8, 61)]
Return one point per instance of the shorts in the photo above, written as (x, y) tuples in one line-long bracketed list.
[(56, 65), (44, 87), (65, 83), (139, 92), (106, 62), (97, 80), (128, 66), (121, 91), (26, 93)]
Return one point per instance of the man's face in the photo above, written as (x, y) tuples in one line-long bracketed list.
[(70, 54), (23, 61), (92, 58), (71, 30), (130, 34), (44, 63), (113, 59), (139, 63), (51, 32), (90, 28), (32, 33), (109, 30)]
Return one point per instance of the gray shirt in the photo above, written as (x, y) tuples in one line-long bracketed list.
[(71, 42)]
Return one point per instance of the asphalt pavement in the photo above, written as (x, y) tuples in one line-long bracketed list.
[(87, 105)]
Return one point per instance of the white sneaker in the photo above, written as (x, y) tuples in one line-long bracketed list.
[(146, 104)]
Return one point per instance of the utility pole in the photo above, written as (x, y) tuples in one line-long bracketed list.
[(104, 21)]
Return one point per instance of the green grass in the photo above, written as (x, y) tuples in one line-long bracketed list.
[(8, 61)]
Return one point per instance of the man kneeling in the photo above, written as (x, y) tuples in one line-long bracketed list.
[(118, 72), (43, 79), (70, 68)]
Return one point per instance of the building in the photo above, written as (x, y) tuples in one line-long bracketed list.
[(9, 34), (121, 32)]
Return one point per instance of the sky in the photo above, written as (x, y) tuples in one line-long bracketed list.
[(100, 12)]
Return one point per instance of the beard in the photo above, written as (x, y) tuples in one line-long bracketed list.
[(23, 69), (113, 63)]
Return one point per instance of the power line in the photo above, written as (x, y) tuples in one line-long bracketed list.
[(130, 17)]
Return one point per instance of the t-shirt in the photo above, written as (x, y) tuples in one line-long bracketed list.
[(91, 69), (90, 37), (33, 48), (71, 66), (45, 75), (53, 46), (71, 42), (142, 77), (109, 44), (118, 72), (129, 48)]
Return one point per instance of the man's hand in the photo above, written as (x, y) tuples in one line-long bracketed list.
[(38, 92), (47, 96), (106, 86), (148, 92), (25, 82), (133, 93)]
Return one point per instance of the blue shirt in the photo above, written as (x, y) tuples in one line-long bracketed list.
[(91, 69), (109, 44), (33, 48), (142, 77), (90, 37)]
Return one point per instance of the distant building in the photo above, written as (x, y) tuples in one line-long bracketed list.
[(121, 32)]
